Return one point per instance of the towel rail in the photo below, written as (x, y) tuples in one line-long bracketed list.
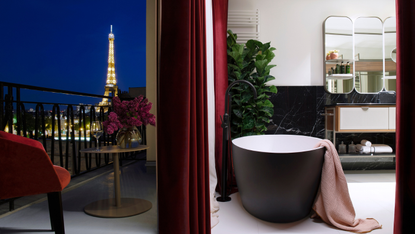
[(244, 23)]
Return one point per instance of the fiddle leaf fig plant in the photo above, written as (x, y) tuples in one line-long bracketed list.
[(250, 62)]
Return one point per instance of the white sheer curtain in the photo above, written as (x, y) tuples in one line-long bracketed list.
[(214, 205)]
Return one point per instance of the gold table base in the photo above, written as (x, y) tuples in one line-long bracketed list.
[(107, 208)]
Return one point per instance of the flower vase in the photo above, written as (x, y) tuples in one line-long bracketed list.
[(334, 55), (128, 138), (328, 57)]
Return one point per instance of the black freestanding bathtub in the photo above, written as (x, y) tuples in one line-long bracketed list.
[(277, 175)]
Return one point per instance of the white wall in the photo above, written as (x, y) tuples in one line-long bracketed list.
[(294, 28)]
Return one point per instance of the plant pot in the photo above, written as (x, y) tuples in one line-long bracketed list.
[(328, 57), (334, 55), (128, 138)]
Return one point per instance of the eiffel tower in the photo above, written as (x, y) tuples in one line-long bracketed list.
[(111, 86)]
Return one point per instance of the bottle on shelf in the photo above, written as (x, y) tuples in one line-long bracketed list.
[(342, 148), (352, 148), (348, 68), (333, 71), (342, 68), (337, 69)]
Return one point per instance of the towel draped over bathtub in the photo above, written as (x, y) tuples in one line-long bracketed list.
[(333, 204)]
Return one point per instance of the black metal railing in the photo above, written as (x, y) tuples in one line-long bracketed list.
[(63, 129)]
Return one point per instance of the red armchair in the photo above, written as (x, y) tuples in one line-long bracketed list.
[(26, 169)]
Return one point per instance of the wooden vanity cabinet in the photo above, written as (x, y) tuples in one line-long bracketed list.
[(359, 118)]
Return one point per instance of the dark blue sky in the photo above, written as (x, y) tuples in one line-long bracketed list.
[(64, 44)]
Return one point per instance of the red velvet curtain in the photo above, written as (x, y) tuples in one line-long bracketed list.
[(220, 19), (182, 135), (405, 123)]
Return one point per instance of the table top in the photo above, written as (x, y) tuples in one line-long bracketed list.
[(113, 149)]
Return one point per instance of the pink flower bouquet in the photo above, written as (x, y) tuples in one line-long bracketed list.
[(127, 114)]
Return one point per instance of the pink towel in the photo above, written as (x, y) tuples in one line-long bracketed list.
[(333, 204)]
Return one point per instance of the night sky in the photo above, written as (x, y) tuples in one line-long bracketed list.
[(64, 44)]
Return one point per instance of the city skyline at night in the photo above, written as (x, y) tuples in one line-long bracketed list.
[(64, 44)]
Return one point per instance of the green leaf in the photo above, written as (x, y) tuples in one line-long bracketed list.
[(237, 87), (244, 76), (246, 96), (273, 89), (235, 55), (236, 122), (263, 119), (268, 78), (261, 127), (233, 66), (260, 79), (268, 68), (265, 46), (260, 57), (262, 96), (269, 111), (238, 48), (248, 122), (260, 65), (269, 55), (268, 103), (237, 112), (231, 39), (237, 74), (260, 103)]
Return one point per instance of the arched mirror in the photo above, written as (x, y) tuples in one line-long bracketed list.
[(368, 69), (389, 31), (338, 54)]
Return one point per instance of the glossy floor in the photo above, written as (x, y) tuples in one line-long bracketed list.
[(372, 194)]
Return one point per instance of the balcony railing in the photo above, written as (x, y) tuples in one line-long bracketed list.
[(63, 129)]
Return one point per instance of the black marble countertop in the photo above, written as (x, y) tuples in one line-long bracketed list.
[(361, 104)]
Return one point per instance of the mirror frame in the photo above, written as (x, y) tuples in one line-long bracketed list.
[(382, 48), (387, 53), (353, 49), (324, 53)]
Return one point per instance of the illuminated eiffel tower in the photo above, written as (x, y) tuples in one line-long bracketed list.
[(111, 86)]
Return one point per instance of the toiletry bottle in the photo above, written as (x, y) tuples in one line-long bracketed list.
[(342, 148), (341, 68), (333, 71), (337, 69), (347, 68), (352, 148)]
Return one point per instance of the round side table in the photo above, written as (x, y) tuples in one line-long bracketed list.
[(116, 207)]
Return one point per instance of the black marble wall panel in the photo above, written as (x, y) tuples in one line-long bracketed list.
[(297, 110), (355, 97)]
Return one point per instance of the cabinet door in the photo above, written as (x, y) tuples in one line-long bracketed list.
[(364, 118), (392, 117)]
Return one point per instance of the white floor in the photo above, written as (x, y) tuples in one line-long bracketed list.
[(372, 194)]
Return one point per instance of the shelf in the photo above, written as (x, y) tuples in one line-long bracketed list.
[(335, 61), (387, 155), (340, 76), (389, 78)]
